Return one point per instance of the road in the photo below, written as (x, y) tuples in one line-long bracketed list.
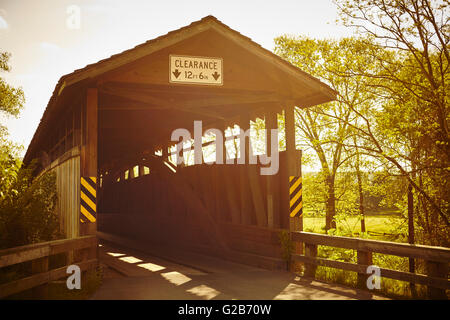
[(134, 274)]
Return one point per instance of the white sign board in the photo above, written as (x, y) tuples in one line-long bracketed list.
[(196, 70)]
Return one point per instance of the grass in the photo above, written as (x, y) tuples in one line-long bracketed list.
[(381, 226)]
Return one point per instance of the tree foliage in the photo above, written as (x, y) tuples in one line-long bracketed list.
[(326, 128), (28, 210), (27, 204), (11, 99), (392, 107), (11, 102), (409, 41)]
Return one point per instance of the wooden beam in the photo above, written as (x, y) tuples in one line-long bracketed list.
[(217, 180), (131, 173), (201, 112), (191, 91), (232, 198), (310, 252), (430, 253), (293, 163), (180, 189), (89, 151), (89, 167), (188, 100), (257, 196), (40, 266), (363, 258), (20, 285), (246, 200), (273, 219), (141, 170), (385, 273), (140, 101)]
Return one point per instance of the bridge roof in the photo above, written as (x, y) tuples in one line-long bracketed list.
[(251, 73)]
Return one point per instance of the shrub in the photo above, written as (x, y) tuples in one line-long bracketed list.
[(28, 209)]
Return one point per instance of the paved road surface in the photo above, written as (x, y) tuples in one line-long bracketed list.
[(132, 274)]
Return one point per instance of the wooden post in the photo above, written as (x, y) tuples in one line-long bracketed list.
[(438, 270), (246, 199), (231, 191), (131, 173), (232, 197), (273, 218), (258, 209), (89, 167), (363, 258), (165, 154), (224, 146), (40, 266), (257, 196), (89, 151), (165, 205), (293, 165), (218, 181), (310, 251), (141, 170)]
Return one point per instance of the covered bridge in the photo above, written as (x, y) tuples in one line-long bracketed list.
[(107, 129)]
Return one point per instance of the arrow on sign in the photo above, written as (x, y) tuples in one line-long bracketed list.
[(176, 73), (216, 75)]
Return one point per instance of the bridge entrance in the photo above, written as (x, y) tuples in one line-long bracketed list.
[(113, 122)]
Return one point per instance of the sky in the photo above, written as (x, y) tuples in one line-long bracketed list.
[(50, 38)]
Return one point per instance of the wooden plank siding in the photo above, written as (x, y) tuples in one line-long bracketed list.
[(68, 187), (67, 171)]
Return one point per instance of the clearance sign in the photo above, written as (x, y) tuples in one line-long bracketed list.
[(195, 70)]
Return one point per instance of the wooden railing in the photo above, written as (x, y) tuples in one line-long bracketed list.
[(81, 251), (436, 258)]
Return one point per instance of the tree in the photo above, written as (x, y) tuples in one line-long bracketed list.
[(409, 44), (11, 99), (28, 210), (357, 167), (325, 128), (11, 102), (27, 204)]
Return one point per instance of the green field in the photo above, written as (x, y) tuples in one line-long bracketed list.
[(380, 226)]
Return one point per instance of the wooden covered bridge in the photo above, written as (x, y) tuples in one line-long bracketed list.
[(107, 134), (110, 124)]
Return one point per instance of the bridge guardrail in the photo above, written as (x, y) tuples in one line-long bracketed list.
[(39, 253), (436, 258)]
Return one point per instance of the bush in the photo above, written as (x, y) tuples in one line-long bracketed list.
[(28, 209)]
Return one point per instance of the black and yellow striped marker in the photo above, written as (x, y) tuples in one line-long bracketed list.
[(295, 196), (88, 199)]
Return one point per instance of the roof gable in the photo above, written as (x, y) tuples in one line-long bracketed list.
[(172, 38), (261, 73)]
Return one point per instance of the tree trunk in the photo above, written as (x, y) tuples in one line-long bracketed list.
[(412, 265), (361, 203), (330, 223), (360, 191)]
